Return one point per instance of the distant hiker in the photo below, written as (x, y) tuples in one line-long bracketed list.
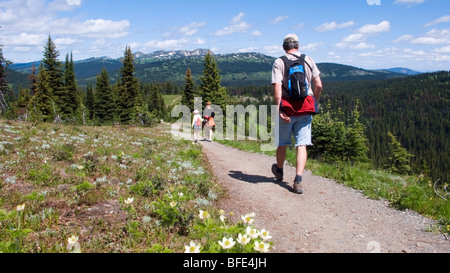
[(197, 125), (209, 123), (292, 76)]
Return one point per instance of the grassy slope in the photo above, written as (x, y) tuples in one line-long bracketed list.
[(79, 181)]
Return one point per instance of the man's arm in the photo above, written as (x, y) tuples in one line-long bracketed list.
[(318, 87), (278, 93)]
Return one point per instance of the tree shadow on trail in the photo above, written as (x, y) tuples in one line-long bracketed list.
[(254, 179)]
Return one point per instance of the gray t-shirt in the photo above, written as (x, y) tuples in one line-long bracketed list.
[(279, 67)]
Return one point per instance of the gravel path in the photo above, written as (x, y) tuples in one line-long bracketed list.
[(328, 217)]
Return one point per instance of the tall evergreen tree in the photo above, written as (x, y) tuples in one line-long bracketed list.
[(42, 104), (55, 75), (4, 88), (189, 92), (33, 80), (357, 149), (73, 96), (90, 103), (154, 99), (210, 83), (130, 101), (104, 106)]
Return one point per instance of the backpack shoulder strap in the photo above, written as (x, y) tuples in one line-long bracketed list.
[(303, 60)]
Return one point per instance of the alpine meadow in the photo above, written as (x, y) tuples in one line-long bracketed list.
[(85, 148)]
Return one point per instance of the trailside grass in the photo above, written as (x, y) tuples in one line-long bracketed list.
[(99, 189)]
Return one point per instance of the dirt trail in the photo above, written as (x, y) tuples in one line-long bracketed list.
[(328, 217)]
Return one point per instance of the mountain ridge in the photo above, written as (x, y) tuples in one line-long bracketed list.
[(250, 68)]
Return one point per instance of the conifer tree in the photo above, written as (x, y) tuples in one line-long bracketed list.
[(73, 96), (33, 80), (155, 101), (399, 159), (55, 73), (210, 83), (90, 103), (42, 104), (24, 98), (104, 106), (356, 150), (130, 101), (4, 89), (189, 91)]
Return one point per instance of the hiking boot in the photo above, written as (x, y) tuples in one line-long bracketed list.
[(278, 175), (298, 187)]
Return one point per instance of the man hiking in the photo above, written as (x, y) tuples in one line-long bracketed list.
[(298, 103)]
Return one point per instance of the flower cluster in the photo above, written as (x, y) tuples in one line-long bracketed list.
[(245, 238)]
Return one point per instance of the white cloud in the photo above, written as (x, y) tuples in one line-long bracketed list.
[(65, 41), (381, 27), (310, 47), (333, 26), (358, 39), (409, 2), (279, 19), (445, 50), (273, 49), (403, 38), (191, 29), (248, 49), (353, 38), (166, 44), (73, 2), (96, 28), (63, 5), (257, 33), (362, 45), (433, 37), (428, 41), (24, 39), (21, 49), (236, 25), (238, 18), (171, 44), (30, 18), (443, 19), (333, 55)]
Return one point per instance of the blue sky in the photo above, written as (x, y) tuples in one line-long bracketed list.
[(370, 34)]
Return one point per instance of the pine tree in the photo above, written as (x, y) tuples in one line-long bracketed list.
[(104, 106), (130, 101), (90, 103), (189, 92), (42, 104), (33, 80), (24, 98), (55, 76), (155, 101), (73, 96), (356, 150), (4, 88), (399, 159), (211, 90)]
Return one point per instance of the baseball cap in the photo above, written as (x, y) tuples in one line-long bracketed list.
[(290, 38)]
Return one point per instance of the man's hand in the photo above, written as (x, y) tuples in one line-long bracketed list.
[(285, 117)]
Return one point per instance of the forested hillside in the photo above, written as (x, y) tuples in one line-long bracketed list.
[(414, 109), (236, 69)]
